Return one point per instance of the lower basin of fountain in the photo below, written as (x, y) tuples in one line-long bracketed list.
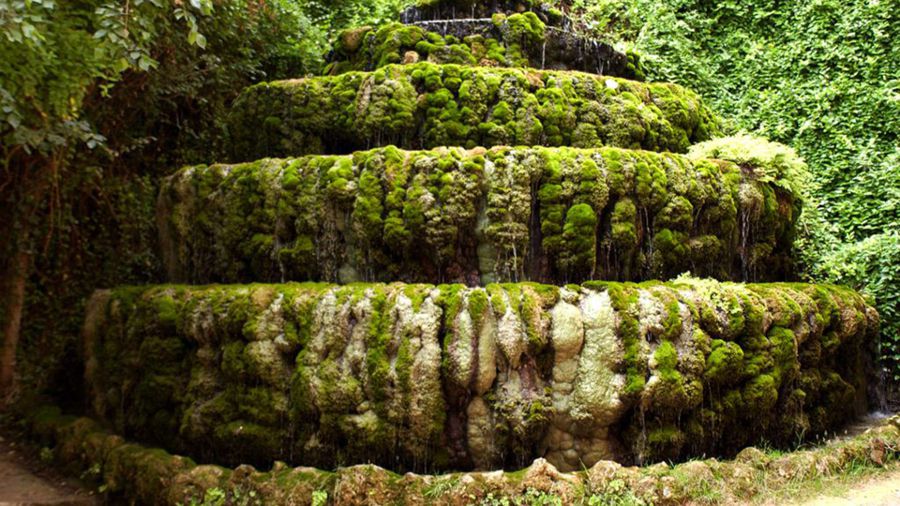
[(432, 378)]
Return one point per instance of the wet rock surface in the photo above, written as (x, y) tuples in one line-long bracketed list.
[(422, 377), (552, 215)]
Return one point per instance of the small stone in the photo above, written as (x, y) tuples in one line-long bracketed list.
[(243, 471), (752, 456), (603, 472), (410, 57), (541, 475)]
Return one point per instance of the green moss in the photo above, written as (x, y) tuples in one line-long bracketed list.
[(670, 249), (761, 393), (624, 300), (664, 442), (368, 208), (377, 357), (624, 230), (579, 237), (784, 353), (451, 105), (362, 363), (478, 305), (634, 68), (724, 363), (416, 294), (666, 358), (167, 312)]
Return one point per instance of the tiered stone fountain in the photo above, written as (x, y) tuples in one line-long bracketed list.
[(403, 172)]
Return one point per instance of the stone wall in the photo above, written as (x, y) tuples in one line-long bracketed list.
[(429, 378), (127, 473)]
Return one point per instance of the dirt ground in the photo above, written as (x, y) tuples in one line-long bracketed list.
[(24, 480), (881, 490)]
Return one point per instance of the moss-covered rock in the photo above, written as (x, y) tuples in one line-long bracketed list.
[(515, 40), (552, 215), (425, 105), (447, 377), (128, 472), (431, 10)]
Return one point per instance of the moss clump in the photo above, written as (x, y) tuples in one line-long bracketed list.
[(624, 300), (724, 363), (427, 105), (761, 392), (580, 238), (665, 442), (624, 234)]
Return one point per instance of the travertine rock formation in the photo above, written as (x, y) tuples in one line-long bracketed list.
[(465, 146), (553, 215), (425, 105), (447, 377)]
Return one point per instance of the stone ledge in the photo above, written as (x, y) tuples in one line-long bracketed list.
[(552, 215), (147, 476), (488, 42)]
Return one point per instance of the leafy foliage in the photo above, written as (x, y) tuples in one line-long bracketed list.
[(96, 97), (819, 75), (872, 265), (322, 21), (769, 162)]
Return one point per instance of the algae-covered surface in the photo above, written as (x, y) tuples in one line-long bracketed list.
[(438, 377)]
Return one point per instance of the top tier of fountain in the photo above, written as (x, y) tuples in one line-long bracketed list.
[(435, 10), (496, 34)]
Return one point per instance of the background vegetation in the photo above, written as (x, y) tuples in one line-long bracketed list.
[(822, 76), (100, 97)]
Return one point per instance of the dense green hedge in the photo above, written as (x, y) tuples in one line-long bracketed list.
[(426, 105), (507, 214), (448, 377)]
